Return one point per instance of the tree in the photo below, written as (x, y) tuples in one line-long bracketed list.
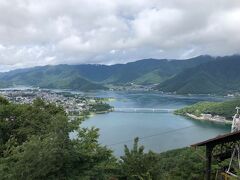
[(135, 164), (35, 144), (3, 101)]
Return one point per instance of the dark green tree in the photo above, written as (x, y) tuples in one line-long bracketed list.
[(35, 143), (3, 101), (136, 164)]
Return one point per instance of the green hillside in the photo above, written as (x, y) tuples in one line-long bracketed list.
[(151, 71), (153, 77), (225, 109), (88, 77), (199, 75), (218, 76), (48, 77)]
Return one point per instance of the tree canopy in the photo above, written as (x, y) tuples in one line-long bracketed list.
[(35, 144)]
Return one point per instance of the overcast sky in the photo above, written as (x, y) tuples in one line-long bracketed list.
[(40, 32)]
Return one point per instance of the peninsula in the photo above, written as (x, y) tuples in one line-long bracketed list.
[(220, 112)]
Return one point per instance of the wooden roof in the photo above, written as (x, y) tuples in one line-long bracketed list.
[(229, 137)]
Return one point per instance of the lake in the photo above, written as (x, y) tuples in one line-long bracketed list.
[(158, 131)]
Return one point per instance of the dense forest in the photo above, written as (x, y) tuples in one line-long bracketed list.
[(225, 109), (199, 75), (219, 76), (35, 144), (94, 77)]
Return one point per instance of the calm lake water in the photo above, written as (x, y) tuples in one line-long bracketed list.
[(159, 131)]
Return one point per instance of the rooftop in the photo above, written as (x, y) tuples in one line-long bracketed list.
[(229, 137)]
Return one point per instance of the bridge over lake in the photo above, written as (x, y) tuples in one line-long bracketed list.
[(139, 110)]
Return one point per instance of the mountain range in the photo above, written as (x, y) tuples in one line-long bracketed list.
[(199, 75), (220, 75)]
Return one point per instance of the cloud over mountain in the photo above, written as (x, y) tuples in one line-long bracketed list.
[(34, 32)]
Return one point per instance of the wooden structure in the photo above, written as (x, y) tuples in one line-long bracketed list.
[(219, 148)]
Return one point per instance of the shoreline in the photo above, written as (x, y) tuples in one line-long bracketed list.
[(212, 119), (92, 114)]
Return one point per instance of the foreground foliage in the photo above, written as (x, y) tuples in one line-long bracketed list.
[(35, 144), (136, 164), (178, 164)]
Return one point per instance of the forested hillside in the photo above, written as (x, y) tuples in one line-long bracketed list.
[(48, 77), (225, 109), (92, 77), (200, 75), (218, 76)]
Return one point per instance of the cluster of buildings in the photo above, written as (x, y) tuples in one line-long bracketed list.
[(132, 87), (73, 104), (210, 117)]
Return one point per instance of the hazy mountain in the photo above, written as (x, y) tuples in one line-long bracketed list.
[(217, 76), (149, 71), (86, 77), (48, 77)]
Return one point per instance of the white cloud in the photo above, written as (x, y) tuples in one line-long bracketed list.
[(34, 32)]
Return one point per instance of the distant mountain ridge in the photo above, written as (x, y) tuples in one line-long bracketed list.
[(195, 75), (87, 76), (218, 76)]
